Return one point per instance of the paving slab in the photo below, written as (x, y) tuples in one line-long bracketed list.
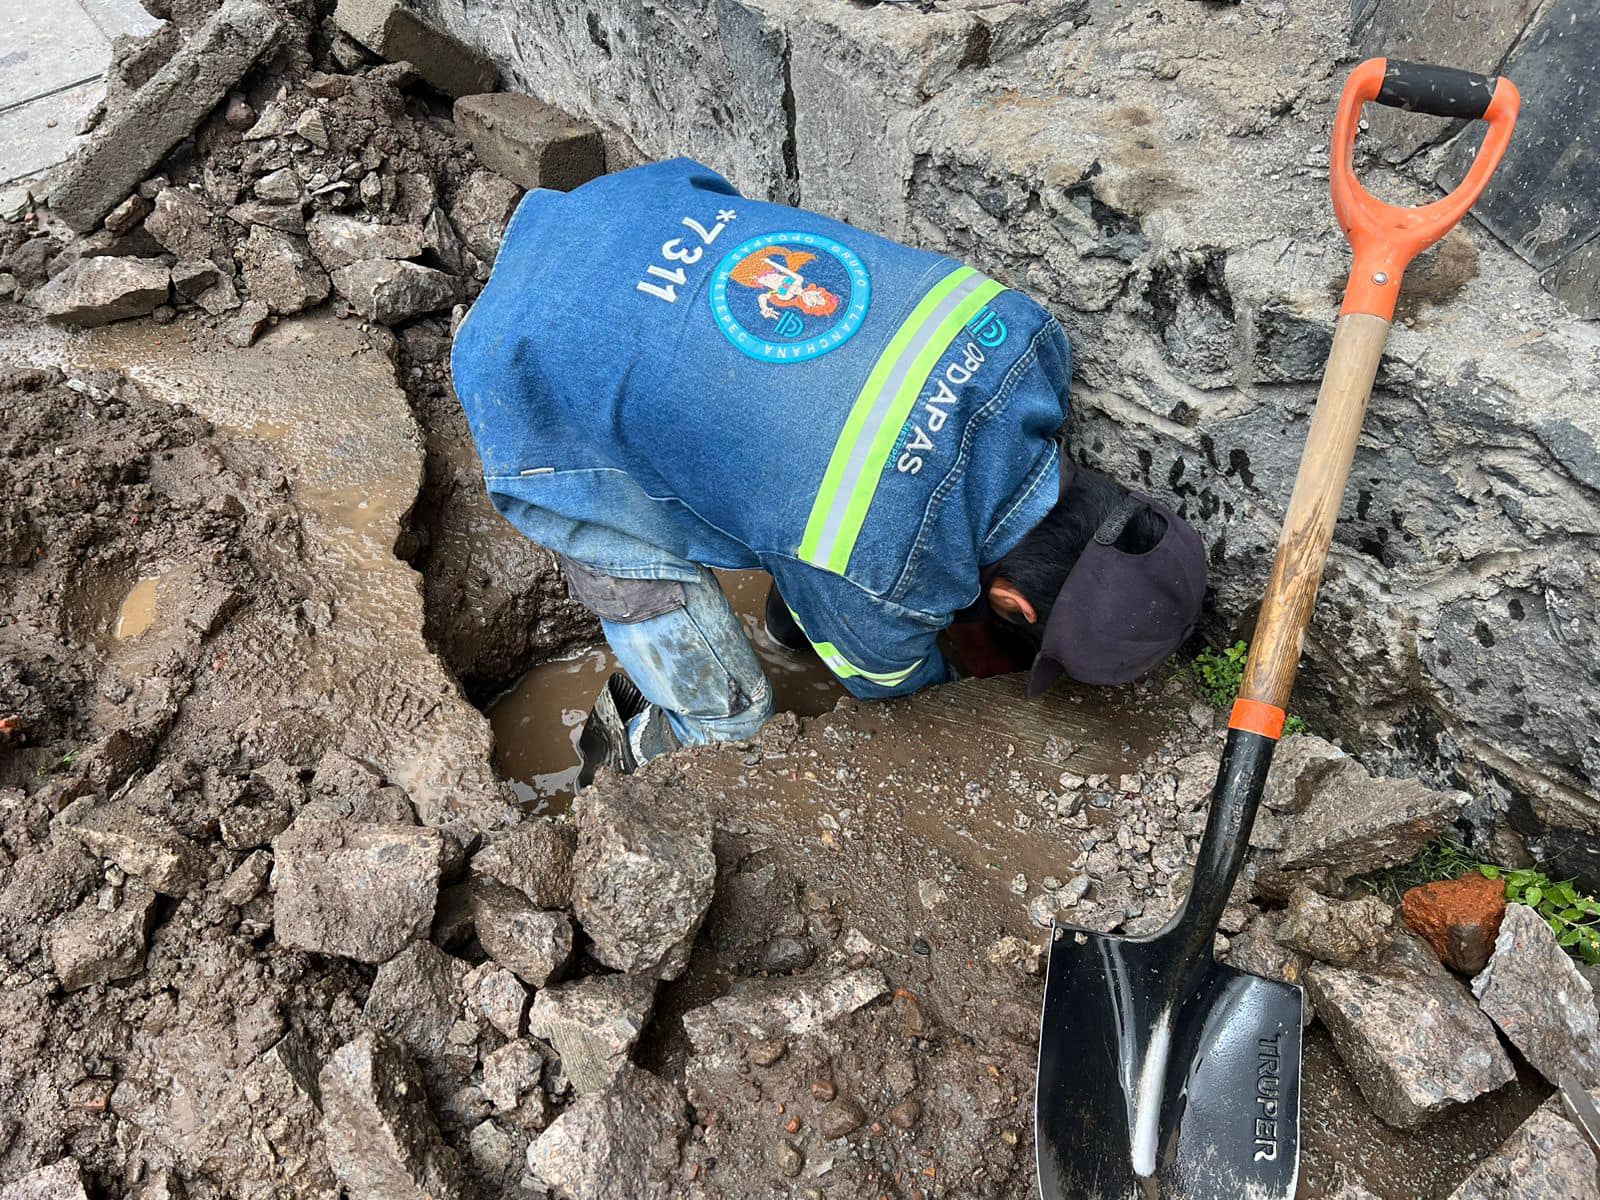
[(49, 47), (38, 134)]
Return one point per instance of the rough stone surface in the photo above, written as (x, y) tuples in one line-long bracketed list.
[(1540, 1000), (382, 1140), (642, 876), (534, 943), (1459, 918), (620, 1144), (1410, 1034), (181, 222), (59, 1181), (416, 1000), (482, 209), (530, 143), (95, 946), (393, 32), (97, 291), (339, 239), (280, 272), (385, 290), (511, 1072), (133, 139), (357, 890), (1355, 823), (498, 997), (535, 858), (594, 1024), (1298, 766), (140, 841), (1545, 1159), (1344, 933)]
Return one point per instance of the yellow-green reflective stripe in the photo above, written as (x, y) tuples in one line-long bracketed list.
[(880, 411), (845, 669)]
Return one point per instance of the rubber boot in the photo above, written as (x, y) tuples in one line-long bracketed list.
[(604, 740), (781, 625)]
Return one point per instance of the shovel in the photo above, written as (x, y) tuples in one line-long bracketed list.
[(1162, 1073)]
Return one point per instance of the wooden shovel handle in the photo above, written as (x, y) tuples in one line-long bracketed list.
[(1358, 341)]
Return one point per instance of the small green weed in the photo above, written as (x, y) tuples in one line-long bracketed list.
[(1573, 916), (1218, 675)]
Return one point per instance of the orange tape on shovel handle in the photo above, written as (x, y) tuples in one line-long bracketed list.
[(1386, 237)]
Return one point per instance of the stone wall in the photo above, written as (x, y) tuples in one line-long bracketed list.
[(1157, 175)]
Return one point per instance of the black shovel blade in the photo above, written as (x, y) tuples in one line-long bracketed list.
[(1154, 1087)]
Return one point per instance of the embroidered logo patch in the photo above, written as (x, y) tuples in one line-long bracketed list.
[(788, 297)]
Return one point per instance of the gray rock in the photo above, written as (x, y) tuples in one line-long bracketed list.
[(416, 1000), (594, 1024), (127, 214), (534, 943), (248, 880), (390, 292), (496, 1156), (191, 280), (620, 1144), (530, 143), (93, 946), (1258, 950), (37, 889), (642, 876), (511, 1072), (782, 1008), (382, 1140), (97, 291), (279, 271), (141, 843), (496, 995), (535, 858), (1299, 764), (339, 239), (253, 317), (395, 33), (1344, 933), (357, 890), (1540, 1000), (133, 139), (1411, 1035), (286, 218), (183, 224), (1547, 1158), (59, 1181), (1355, 823), (481, 210)]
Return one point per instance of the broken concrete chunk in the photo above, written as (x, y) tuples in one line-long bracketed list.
[(94, 946), (1345, 933), (535, 858), (246, 327), (783, 1008), (224, 298), (59, 1181), (1459, 918), (140, 843), (395, 33), (36, 890), (621, 1144), (416, 1000), (642, 876), (183, 224), (593, 1024), (511, 1072), (497, 996), (535, 944), (286, 218), (381, 1137), (1540, 1000), (279, 187), (97, 291), (1410, 1034), (1299, 764), (390, 292), (1355, 823), (529, 142), (132, 140), (339, 239), (482, 208), (280, 272), (357, 890), (248, 880), (194, 279), (127, 214), (1547, 1157)]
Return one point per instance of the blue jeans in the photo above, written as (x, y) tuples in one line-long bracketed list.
[(685, 650)]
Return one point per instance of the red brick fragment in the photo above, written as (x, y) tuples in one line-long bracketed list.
[(1459, 918)]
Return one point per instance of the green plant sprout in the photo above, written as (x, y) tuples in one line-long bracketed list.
[(1218, 675)]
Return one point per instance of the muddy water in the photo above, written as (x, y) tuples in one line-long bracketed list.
[(537, 721), (138, 609)]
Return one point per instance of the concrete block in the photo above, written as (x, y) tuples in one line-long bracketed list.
[(131, 141), (530, 143), (399, 35)]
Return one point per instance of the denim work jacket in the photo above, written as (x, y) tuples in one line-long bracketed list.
[(661, 372)]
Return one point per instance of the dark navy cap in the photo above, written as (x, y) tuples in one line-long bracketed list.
[(1119, 614)]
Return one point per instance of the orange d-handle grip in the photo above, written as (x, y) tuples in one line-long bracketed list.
[(1385, 237)]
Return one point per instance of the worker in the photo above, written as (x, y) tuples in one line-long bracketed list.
[(663, 376)]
